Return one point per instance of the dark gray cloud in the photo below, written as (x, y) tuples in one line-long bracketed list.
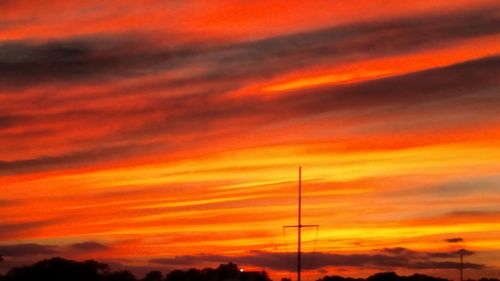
[(5, 203), (460, 188), (7, 121), (71, 160), (470, 87), (190, 259), (9, 230), (102, 58), (466, 87), (464, 252), (454, 240), (28, 249), (88, 246), (407, 253), (400, 251), (72, 59), (475, 213), (465, 187), (389, 258)]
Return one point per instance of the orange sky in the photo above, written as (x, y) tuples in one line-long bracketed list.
[(156, 134)]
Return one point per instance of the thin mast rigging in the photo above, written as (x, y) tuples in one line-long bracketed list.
[(299, 227)]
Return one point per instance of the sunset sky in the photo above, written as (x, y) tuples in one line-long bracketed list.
[(168, 134)]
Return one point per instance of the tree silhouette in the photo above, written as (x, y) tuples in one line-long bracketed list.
[(123, 275), (58, 269), (224, 272), (422, 277), (153, 276), (339, 278), (385, 276)]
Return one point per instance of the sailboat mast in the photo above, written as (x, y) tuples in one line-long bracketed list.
[(299, 228)]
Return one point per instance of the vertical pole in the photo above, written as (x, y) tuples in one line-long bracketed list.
[(461, 266), (299, 225)]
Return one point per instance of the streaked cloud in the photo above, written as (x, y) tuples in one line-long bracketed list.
[(454, 240), (116, 57), (379, 102), (28, 249), (318, 260), (126, 139), (88, 246)]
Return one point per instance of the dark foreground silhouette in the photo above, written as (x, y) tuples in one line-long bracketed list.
[(59, 269), (391, 276)]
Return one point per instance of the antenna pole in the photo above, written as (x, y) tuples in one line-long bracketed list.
[(299, 225), (461, 266)]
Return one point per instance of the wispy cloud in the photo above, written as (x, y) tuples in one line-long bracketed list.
[(387, 259), (168, 137), (29, 249), (448, 88), (25, 250), (88, 246), (454, 240), (115, 57), (11, 229)]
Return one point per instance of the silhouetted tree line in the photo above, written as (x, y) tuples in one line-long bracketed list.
[(59, 269), (391, 276), (385, 276)]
